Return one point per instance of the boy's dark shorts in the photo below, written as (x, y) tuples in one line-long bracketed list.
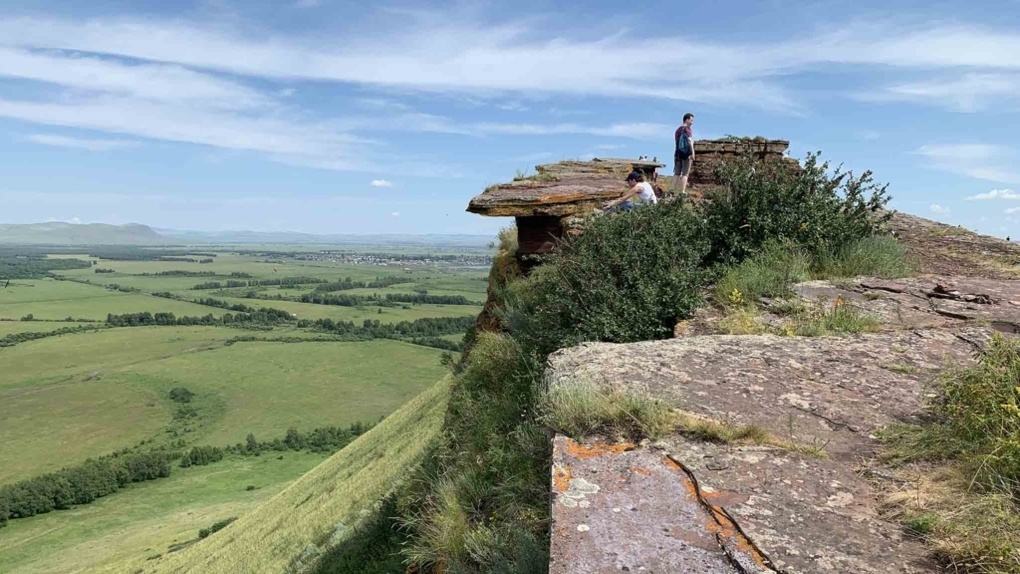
[(682, 167)]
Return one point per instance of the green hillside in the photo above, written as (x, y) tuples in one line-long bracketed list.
[(61, 233), (320, 506)]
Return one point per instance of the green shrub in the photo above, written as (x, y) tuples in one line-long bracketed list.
[(628, 277), (978, 415), (216, 527), (181, 395), (766, 201)]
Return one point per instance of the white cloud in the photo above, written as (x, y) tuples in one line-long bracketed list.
[(211, 83), (971, 92), (74, 220), (449, 52), (938, 209), (1012, 211), (995, 194), (381, 183), (980, 161), (395, 214), (80, 143)]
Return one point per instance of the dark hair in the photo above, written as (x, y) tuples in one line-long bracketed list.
[(635, 176), (688, 116)]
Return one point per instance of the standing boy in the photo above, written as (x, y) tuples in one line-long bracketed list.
[(683, 156)]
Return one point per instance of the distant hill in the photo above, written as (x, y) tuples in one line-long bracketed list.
[(61, 233), (284, 237)]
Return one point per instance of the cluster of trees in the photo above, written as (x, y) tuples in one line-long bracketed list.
[(80, 484), (438, 343), (201, 456), (129, 253), (186, 259), (34, 266), (348, 284), (123, 288), (255, 317), (374, 329), (101, 270), (282, 281), (391, 299), (180, 273)]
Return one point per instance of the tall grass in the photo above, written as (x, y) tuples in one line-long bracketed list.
[(970, 508), (771, 272)]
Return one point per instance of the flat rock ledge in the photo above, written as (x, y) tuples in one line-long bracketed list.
[(685, 505)]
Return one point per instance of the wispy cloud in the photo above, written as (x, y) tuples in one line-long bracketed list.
[(429, 51), (216, 84), (995, 194), (938, 209), (980, 161), (80, 143), (381, 183), (1012, 211), (973, 92)]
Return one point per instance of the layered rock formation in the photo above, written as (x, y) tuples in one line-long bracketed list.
[(552, 203)]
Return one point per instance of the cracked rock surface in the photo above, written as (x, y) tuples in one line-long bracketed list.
[(783, 511)]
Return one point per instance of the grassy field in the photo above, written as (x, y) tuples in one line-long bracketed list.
[(68, 397), (335, 492), (144, 519), (48, 299), (65, 398)]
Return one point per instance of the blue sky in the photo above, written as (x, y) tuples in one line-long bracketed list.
[(330, 116)]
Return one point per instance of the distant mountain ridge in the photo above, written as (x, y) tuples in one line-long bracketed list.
[(62, 233)]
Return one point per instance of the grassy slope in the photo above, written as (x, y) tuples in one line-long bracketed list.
[(144, 519), (65, 398), (336, 491)]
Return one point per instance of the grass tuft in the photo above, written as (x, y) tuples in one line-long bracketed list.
[(582, 409)]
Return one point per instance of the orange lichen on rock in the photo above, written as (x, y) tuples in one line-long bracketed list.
[(642, 471), (598, 448), (561, 478)]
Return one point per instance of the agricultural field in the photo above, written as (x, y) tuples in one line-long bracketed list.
[(69, 396)]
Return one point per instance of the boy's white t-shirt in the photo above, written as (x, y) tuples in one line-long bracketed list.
[(647, 194)]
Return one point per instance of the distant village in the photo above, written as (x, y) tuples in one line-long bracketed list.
[(399, 260)]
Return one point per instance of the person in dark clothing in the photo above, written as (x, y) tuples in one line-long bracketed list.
[(683, 156)]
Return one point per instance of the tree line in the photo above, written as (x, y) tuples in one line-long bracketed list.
[(391, 299), (16, 266), (263, 316), (282, 281), (81, 484), (96, 478), (348, 284), (374, 329)]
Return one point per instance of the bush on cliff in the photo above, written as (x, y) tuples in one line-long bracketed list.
[(628, 277), (768, 201)]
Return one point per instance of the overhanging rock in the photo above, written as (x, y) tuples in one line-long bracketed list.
[(552, 203)]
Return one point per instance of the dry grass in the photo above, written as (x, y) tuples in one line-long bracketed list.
[(582, 409), (335, 494), (707, 429), (970, 532)]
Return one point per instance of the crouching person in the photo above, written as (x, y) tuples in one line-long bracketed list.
[(640, 193)]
